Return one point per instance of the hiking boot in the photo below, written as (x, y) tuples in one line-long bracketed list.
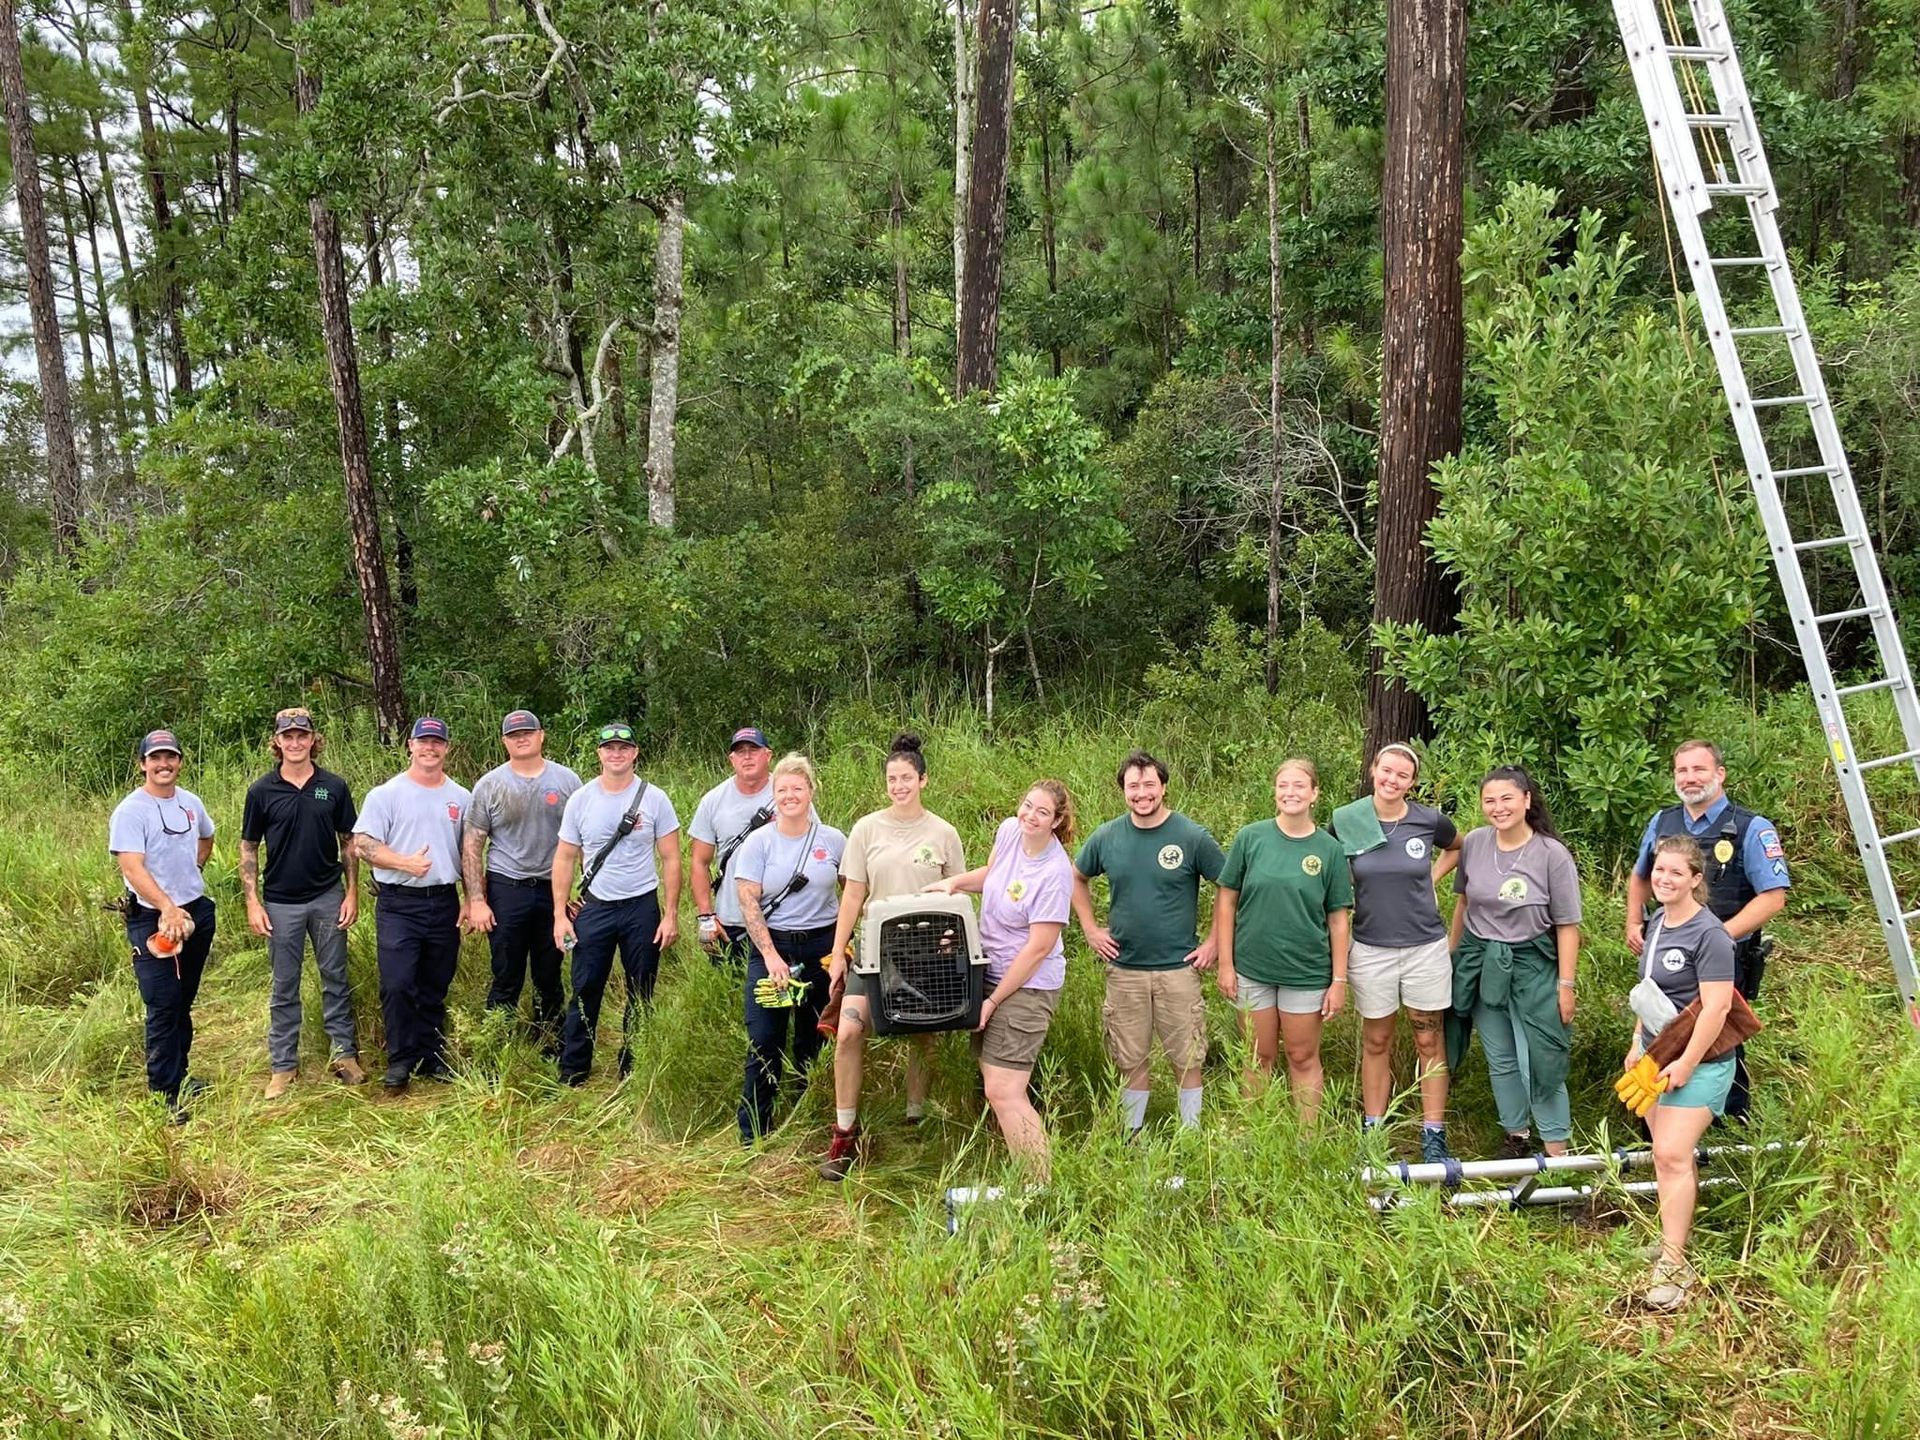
[(346, 1069), (1669, 1285), (280, 1082), (1516, 1147), (397, 1076), (436, 1070), (841, 1154), (1433, 1146)]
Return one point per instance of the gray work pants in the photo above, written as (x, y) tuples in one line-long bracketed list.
[(319, 919)]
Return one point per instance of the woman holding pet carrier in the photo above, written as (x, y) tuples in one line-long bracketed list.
[(900, 850), (786, 878), (1026, 897)]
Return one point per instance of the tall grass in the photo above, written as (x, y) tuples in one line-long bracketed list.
[(507, 1257)]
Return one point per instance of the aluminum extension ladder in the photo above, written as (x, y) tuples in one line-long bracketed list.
[(1721, 122)]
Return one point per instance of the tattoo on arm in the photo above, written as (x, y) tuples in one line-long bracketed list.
[(350, 860), (250, 868), (473, 858), (751, 915)]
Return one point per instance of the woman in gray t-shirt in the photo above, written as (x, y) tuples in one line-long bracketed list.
[(1689, 956), (1516, 941)]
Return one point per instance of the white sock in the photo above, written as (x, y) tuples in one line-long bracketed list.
[(1190, 1106), (1134, 1102), (846, 1119)]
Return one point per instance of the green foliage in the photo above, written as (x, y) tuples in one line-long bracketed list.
[(1608, 569)]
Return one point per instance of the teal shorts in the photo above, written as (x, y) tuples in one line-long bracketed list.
[(1707, 1089)]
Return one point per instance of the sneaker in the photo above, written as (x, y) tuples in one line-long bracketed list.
[(346, 1069), (1516, 1147), (1669, 1285), (280, 1082), (841, 1154), (1433, 1146), (397, 1076)]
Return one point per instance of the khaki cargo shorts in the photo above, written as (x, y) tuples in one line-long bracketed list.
[(1143, 1004), (1016, 1030)]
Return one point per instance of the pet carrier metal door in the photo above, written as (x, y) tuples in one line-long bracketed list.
[(923, 962)]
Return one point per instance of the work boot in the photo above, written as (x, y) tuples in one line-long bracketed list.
[(436, 1069), (280, 1082), (841, 1154), (1516, 1147), (397, 1076), (346, 1069), (1433, 1146), (1670, 1284)]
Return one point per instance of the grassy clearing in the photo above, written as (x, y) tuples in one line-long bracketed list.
[(505, 1257)]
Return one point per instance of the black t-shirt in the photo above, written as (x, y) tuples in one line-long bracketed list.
[(302, 826)]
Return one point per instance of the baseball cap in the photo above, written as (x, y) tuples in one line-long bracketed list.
[(518, 720), (750, 735), (159, 740), (429, 728), (294, 719), (615, 732)]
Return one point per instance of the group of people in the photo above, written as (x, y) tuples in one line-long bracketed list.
[(1304, 918)]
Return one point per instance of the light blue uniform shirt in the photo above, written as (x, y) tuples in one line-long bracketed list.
[(1761, 854), (593, 814), (404, 815)]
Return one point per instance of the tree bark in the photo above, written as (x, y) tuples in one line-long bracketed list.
[(363, 511), (56, 406), (1423, 341), (136, 318), (390, 429), (164, 238), (83, 327), (963, 82), (987, 199), (117, 392), (663, 403), (1276, 388)]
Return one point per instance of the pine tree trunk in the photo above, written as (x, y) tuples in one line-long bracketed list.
[(83, 327), (1422, 342), (663, 402), (136, 318), (363, 511), (164, 238), (377, 272), (963, 83), (1276, 389), (987, 199), (90, 218), (56, 406)]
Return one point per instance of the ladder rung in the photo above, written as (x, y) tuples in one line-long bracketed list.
[(1805, 470), (1741, 332), (1734, 187), (1774, 402), (1695, 52), (1903, 835), (1708, 122), (1844, 615), (1910, 915), (1729, 262), (1824, 544), (1884, 759)]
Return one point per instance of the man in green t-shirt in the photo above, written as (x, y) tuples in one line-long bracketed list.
[(1154, 860)]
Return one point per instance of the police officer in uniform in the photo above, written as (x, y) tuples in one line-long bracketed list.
[(1746, 874)]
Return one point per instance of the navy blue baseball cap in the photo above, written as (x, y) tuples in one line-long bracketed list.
[(428, 728), (749, 735), (615, 732), (518, 720), (155, 740)]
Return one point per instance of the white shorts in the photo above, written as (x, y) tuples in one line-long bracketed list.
[(1253, 995), (1385, 977)]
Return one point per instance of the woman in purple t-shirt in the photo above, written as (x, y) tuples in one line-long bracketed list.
[(1026, 895)]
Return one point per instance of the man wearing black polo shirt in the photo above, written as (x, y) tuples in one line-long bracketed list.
[(306, 816)]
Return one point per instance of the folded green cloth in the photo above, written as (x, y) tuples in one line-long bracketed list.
[(1523, 979), (1357, 827)]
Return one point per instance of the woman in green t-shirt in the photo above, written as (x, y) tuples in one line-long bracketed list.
[(1284, 918)]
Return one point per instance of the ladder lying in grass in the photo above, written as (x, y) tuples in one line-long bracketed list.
[(1706, 144)]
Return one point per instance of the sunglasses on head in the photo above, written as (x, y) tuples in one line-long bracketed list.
[(615, 733)]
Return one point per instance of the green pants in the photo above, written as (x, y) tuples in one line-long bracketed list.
[(1510, 993)]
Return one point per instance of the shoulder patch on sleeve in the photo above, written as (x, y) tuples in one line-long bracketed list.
[(1770, 844)]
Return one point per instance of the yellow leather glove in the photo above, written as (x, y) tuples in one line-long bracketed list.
[(1639, 1088)]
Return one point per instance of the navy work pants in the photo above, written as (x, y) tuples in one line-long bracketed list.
[(418, 933), (521, 943), (601, 927), (769, 1043), (168, 987)]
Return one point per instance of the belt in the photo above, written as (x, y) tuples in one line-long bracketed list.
[(433, 891), (520, 882), (794, 936)]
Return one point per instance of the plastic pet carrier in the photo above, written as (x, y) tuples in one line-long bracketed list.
[(923, 962)]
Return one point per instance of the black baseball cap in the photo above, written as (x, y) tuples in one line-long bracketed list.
[(155, 740), (518, 720), (615, 732)]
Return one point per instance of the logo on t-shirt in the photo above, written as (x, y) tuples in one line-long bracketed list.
[(923, 855), (1674, 960), (453, 811), (821, 853), (1723, 852), (1514, 889), (1310, 864), (320, 793), (553, 797), (1171, 856), (1017, 890), (188, 813), (1416, 849)]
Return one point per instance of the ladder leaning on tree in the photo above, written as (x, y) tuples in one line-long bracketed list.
[(1706, 144)]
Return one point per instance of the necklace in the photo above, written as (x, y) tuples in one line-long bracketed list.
[(1515, 852)]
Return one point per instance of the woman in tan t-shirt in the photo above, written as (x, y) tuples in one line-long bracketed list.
[(896, 851)]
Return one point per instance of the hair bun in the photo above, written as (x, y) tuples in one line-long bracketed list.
[(905, 743)]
